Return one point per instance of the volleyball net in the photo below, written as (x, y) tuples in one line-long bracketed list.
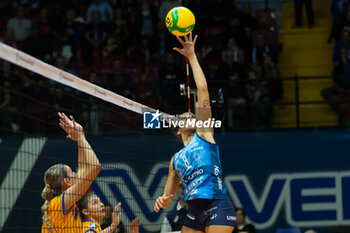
[(134, 165)]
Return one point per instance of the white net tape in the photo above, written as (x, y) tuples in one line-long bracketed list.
[(35, 65)]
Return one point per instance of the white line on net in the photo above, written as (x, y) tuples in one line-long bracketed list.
[(35, 65)]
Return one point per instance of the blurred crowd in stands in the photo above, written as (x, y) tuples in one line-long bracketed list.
[(124, 46), (338, 96)]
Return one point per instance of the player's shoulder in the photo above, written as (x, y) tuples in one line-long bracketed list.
[(56, 201)]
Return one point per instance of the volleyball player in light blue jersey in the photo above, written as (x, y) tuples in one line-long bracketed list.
[(197, 166)]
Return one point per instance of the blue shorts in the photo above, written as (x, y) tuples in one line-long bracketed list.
[(205, 212)]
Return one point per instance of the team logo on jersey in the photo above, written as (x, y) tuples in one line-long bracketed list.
[(93, 226), (151, 120)]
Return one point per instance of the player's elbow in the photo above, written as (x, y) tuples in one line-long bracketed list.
[(203, 92), (98, 167), (94, 170)]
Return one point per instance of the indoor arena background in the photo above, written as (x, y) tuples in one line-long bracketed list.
[(285, 156)]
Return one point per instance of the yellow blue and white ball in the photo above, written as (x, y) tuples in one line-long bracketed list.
[(180, 21)]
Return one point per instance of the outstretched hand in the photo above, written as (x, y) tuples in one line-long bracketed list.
[(73, 129), (135, 226), (188, 45), (163, 202), (115, 215)]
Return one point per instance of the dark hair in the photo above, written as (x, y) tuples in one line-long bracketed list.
[(187, 115), (107, 221), (83, 204), (183, 116)]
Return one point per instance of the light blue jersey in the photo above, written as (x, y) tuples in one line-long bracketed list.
[(199, 168)]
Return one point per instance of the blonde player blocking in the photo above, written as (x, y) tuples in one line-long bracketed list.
[(63, 187)]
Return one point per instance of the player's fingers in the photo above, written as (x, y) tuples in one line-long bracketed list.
[(63, 124), (161, 199), (168, 197), (137, 223), (134, 223), (73, 121), (62, 117), (156, 207), (178, 50), (186, 38), (67, 124), (190, 36), (117, 207), (180, 40), (159, 203), (195, 39), (64, 127)]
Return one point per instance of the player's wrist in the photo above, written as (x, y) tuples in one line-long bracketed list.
[(191, 56), (81, 140)]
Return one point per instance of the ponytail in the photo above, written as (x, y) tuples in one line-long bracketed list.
[(53, 178), (45, 217)]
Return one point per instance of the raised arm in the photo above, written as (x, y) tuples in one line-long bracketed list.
[(204, 109), (135, 226), (88, 164), (171, 186), (115, 220)]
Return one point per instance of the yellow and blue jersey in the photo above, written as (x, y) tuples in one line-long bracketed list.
[(91, 227), (62, 221)]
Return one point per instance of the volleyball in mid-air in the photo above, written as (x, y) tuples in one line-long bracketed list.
[(180, 21)]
